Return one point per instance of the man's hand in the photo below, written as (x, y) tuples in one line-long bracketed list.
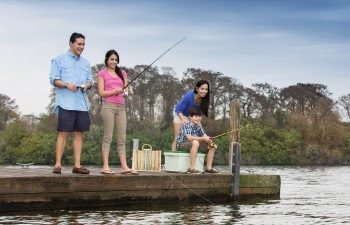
[(71, 87)]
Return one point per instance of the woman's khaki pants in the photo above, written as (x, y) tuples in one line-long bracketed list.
[(113, 114)]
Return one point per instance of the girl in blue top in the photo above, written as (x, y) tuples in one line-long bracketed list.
[(198, 98)]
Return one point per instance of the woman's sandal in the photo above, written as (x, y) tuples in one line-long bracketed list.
[(108, 172), (130, 172)]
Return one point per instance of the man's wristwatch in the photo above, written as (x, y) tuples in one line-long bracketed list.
[(66, 85)]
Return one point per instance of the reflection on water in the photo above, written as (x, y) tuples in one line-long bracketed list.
[(309, 195)]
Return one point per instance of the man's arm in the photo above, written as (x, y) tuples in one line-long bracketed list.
[(55, 77), (61, 84), (55, 73), (89, 82)]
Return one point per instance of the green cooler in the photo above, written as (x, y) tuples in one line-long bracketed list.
[(179, 161)]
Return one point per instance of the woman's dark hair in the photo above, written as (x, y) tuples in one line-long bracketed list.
[(206, 98), (75, 36), (118, 71)]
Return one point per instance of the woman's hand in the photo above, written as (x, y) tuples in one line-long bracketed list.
[(184, 121), (118, 91)]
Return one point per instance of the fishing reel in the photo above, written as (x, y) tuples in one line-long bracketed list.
[(82, 88), (212, 144), (125, 92)]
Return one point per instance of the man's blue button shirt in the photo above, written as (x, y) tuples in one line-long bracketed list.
[(73, 70)]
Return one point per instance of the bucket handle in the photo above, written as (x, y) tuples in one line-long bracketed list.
[(146, 149)]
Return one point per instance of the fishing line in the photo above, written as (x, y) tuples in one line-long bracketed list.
[(190, 189), (82, 89), (153, 62)]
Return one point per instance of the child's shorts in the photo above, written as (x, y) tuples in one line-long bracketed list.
[(187, 145)]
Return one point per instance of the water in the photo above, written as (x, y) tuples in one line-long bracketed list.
[(309, 195)]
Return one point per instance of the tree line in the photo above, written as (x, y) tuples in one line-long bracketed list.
[(298, 124)]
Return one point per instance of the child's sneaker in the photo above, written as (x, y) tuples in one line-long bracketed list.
[(212, 170), (193, 170)]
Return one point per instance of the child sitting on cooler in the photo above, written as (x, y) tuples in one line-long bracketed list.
[(193, 138)]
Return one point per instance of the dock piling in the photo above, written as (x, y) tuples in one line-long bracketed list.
[(235, 148), (235, 151)]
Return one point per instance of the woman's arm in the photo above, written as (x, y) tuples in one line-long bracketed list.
[(180, 107), (182, 117)]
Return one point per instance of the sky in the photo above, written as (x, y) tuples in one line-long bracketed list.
[(281, 42)]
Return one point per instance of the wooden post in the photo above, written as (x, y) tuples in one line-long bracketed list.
[(134, 145), (235, 114), (236, 167), (234, 124), (235, 149)]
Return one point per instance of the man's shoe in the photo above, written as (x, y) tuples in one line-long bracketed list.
[(212, 170), (80, 170), (57, 170), (193, 171)]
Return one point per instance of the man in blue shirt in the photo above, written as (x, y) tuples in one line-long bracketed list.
[(71, 75), (193, 138)]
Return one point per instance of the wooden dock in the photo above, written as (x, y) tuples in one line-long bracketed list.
[(36, 188)]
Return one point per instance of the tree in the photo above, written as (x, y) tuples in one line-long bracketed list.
[(231, 91), (267, 98), (249, 102), (8, 110), (170, 92), (344, 101), (94, 99), (302, 98), (10, 139), (51, 106)]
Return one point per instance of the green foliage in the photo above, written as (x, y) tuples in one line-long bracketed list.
[(261, 145), (38, 149), (92, 142), (10, 141)]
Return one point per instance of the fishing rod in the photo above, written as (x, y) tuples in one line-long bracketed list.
[(229, 132), (212, 144), (153, 62)]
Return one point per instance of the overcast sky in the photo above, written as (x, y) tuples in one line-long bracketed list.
[(280, 42)]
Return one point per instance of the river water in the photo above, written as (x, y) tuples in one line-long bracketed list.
[(309, 195)]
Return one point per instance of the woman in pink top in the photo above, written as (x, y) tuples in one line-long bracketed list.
[(110, 87)]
